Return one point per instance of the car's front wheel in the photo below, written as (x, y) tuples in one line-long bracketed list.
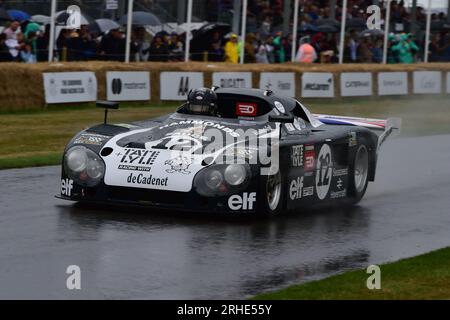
[(359, 173), (271, 194)]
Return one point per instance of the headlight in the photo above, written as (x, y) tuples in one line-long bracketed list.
[(84, 166), (220, 179), (235, 174), (214, 179), (76, 159)]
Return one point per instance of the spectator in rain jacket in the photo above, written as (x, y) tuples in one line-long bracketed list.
[(405, 49), (280, 56), (231, 49), (306, 52)]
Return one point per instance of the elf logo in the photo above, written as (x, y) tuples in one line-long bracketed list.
[(246, 109), (296, 188), (244, 202), (66, 187)]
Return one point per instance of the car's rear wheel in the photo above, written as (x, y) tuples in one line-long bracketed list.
[(359, 173), (271, 192)]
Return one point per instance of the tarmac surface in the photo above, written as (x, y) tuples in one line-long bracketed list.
[(136, 254)]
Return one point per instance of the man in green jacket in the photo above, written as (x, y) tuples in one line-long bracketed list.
[(405, 49)]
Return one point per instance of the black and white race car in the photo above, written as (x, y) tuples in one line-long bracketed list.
[(226, 150)]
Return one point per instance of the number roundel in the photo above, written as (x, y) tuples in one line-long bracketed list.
[(324, 171)]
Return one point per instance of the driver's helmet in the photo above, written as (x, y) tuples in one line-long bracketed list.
[(202, 101)]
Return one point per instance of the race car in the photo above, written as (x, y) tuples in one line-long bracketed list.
[(226, 151)]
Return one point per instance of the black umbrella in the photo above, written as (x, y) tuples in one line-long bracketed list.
[(356, 23), (326, 28), (332, 22), (201, 38), (4, 15), (103, 25), (142, 18), (372, 32)]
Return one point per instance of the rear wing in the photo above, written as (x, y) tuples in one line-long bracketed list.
[(383, 128)]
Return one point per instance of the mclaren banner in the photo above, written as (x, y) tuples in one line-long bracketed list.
[(317, 85), (67, 87), (128, 86)]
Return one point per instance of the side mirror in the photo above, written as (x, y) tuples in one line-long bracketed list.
[(289, 118), (107, 105)]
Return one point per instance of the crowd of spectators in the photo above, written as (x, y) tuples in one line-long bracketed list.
[(265, 43)]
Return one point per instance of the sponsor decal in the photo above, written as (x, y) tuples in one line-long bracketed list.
[(427, 82), (66, 87), (357, 84), (279, 107), (299, 124), (392, 83), (308, 191), (289, 127), (324, 171), (340, 172), (92, 139), (352, 139), (232, 79), (279, 82), (116, 86), (128, 85), (297, 156), (183, 86), (338, 194), (146, 180), (176, 85), (244, 202), (137, 159), (179, 164), (295, 188), (246, 109), (310, 156), (317, 84), (202, 123), (66, 187)]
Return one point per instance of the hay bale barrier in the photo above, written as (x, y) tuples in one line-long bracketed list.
[(21, 85)]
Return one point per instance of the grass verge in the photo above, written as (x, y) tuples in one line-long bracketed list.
[(423, 277), (34, 138)]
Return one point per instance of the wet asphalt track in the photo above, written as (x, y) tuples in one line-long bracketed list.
[(139, 255)]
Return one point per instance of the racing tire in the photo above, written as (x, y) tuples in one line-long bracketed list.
[(272, 195), (358, 177)]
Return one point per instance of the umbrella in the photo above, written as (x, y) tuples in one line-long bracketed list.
[(326, 28), (332, 22), (18, 15), (41, 19), (63, 16), (103, 25), (356, 23), (202, 38), (304, 28), (4, 15), (141, 18), (372, 32)]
